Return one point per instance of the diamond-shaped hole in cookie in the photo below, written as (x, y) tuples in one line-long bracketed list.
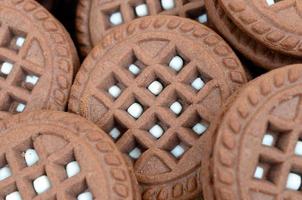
[(80, 191), (113, 16), (176, 103), (135, 107), (267, 170), (27, 80), (198, 14), (15, 39), (156, 127), (112, 86), (5, 170), (134, 149), (8, 190), (176, 60), (13, 196), (298, 147), (176, 147), (168, 4), (132, 64), (294, 180), (154, 83), (26, 154), (67, 165), (41, 184), (6, 67), (140, 9), (196, 124), (13, 105), (272, 2), (197, 79), (115, 128), (275, 138)]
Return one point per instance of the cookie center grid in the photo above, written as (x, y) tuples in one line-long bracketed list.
[(152, 104), (117, 13), (60, 169), (280, 162), (18, 77)]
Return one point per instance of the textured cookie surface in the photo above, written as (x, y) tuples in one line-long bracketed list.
[(268, 22), (156, 86), (258, 149), (54, 155), (96, 17), (251, 48), (36, 59)]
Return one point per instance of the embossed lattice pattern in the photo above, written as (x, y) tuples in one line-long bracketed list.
[(18, 76), (279, 167), (155, 125), (156, 99), (261, 132), (60, 156), (129, 10), (51, 165)]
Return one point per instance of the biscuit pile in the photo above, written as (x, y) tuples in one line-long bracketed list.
[(169, 100)]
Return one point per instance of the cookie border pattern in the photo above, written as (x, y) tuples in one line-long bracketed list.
[(234, 121), (272, 36), (82, 30), (234, 72), (240, 40), (111, 156), (59, 91)]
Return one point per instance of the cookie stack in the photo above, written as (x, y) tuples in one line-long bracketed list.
[(267, 32), (161, 108)]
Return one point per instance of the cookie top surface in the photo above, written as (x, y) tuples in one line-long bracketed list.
[(267, 21), (36, 59), (96, 17), (60, 156), (252, 49), (156, 86), (257, 153)]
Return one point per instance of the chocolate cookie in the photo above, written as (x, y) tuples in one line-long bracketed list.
[(258, 147), (275, 23), (252, 49), (60, 156), (156, 86), (37, 59), (96, 17)]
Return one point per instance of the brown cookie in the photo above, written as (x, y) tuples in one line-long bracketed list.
[(252, 49), (156, 86), (37, 59), (60, 156), (258, 147), (268, 22), (96, 17)]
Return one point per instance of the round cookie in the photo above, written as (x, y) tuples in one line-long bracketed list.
[(252, 49), (156, 86), (96, 17), (60, 156), (37, 59), (268, 22), (258, 147)]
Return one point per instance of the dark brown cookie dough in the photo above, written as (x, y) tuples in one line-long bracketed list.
[(276, 24), (56, 155), (258, 147), (37, 59), (96, 17), (156, 87), (252, 49)]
